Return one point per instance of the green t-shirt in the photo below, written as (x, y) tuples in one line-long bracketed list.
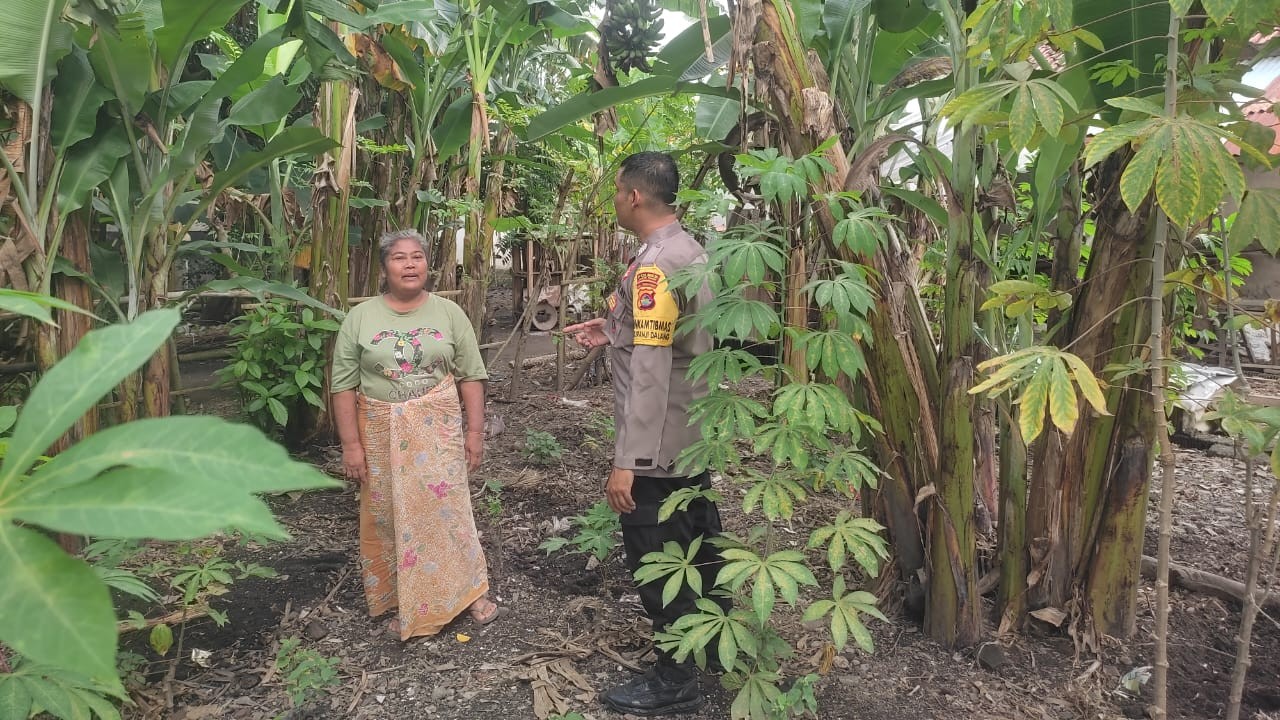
[(394, 356)]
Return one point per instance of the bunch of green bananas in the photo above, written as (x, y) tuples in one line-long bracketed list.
[(630, 31)]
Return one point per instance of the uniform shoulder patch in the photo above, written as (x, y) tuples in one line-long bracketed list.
[(653, 307)]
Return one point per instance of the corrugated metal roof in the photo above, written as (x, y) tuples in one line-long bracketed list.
[(1265, 75), (1262, 72)]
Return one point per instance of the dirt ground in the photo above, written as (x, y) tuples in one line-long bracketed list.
[(575, 627)]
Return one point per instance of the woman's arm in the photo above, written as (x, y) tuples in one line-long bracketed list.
[(344, 416), (471, 393)]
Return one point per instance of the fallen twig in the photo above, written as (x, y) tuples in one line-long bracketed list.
[(587, 362), (177, 616), (1207, 583), (341, 579), (615, 656), (360, 688)]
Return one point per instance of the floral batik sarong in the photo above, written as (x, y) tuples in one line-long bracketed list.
[(419, 549)]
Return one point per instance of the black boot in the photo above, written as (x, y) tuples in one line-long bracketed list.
[(663, 690)]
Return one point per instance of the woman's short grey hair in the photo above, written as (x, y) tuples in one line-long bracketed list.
[(389, 239)]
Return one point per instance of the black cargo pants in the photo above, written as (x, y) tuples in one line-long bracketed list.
[(643, 534)]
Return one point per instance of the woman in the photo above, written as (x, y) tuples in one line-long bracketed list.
[(401, 363)]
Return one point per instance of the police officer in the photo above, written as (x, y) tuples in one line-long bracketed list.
[(651, 414)]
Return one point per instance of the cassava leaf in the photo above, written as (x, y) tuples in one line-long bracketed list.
[(1033, 403), (1063, 407)]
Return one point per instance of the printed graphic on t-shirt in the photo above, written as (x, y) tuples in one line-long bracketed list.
[(653, 307), (414, 377)]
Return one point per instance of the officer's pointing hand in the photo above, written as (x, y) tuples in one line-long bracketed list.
[(589, 334)]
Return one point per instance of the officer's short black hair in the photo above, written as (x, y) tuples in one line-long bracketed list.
[(654, 174)]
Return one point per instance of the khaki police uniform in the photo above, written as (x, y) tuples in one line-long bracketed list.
[(651, 410), (650, 390)]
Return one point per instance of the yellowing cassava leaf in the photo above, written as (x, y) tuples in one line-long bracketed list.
[(1088, 383), (1048, 108), (1179, 183), (1007, 373), (1224, 163), (1016, 308), (1063, 408), (1032, 404), (1010, 287), (1134, 104), (964, 108), (1114, 138), (1216, 181), (1138, 176), (1022, 119), (993, 302)]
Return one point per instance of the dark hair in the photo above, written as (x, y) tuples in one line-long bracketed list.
[(654, 174)]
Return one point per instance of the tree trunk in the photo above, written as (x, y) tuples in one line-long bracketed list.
[(331, 210), (953, 607), (1011, 602), (493, 208), (55, 343), (384, 173), (901, 381), (477, 255), (1115, 573), (448, 243), (157, 381), (1043, 513), (953, 612), (73, 326), (1079, 481), (330, 256)]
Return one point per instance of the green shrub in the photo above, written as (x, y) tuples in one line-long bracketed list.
[(305, 672), (541, 447), (597, 533), (279, 361)]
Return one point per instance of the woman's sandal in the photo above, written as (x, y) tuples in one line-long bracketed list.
[(482, 618)]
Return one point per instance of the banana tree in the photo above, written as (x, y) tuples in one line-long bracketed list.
[(1085, 509), (137, 134), (1082, 507), (432, 64), (272, 96), (491, 29)]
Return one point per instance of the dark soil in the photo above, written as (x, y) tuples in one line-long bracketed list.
[(574, 626)]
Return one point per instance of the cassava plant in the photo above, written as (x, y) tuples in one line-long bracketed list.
[(1254, 429), (597, 534), (784, 442)]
